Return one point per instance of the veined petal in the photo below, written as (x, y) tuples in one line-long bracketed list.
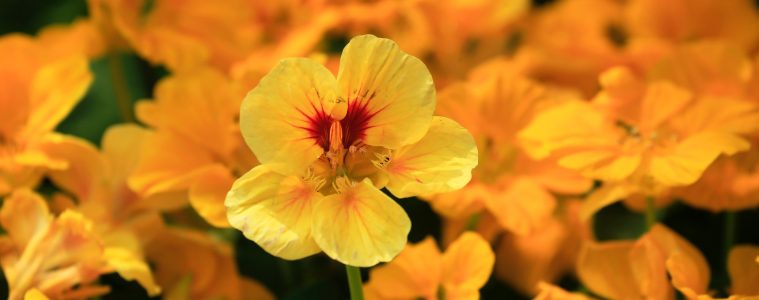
[(208, 192), (275, 211), (86, 167), (442, 161), (119, 142), (467, 264), (416, 272), (56, 89), (684, 163), (393, 91), (360, 226), (685, 264), (286, 117), (604, 196)]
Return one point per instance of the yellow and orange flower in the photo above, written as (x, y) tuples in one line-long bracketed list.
[(327, 145), (421, 271), (39, 88), (196, 146)]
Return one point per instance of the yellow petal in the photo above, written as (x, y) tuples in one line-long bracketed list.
[(522, 206), (286, 117), (208, 193), (56, 89), (684, 163), (131, 267), (35, 294), (360, 226), (415, 272), (442, 161), (394, 89), (24, 214), (467, 264), (552, 292), (605, 269), (662, 101), (275, 211), (744, 269)]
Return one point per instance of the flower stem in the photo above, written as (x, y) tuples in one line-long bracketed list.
[(727, 244), (354, 282), (650, 212), (120, 87), (471, 224)]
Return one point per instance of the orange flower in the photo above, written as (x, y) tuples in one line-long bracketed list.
[(518, 190), (192, 265), (180, 35), (421, 271), (60, 256), (651, 267), (39, 88), (685, 20), (635, 142), (196, 146)]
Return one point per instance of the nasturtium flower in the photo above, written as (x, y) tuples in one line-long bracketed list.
[(193, 265), (61, 256), (327, 146), (650, 268), (39, 88), (519, 191), (195, 147), (181, 35), (640, 138), (421, 271)]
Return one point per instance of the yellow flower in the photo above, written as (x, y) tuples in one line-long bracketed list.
[(327, 146), (421, 271), (180, 35), (636, 142), (516, 189), (39, 88), (60, 256), (191, 265), (196, 146), (651, 267)]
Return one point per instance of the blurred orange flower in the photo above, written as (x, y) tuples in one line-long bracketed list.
[(39, 88), (421, 271), (196, 146)]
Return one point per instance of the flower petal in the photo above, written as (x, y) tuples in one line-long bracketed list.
[(208, 193), (442, 161), (286, 115), (605, 269), (522, 206), (24, 214), (412, 274), (360, 226), (467, 264), (275, 211), (131, 267), (395, 88)]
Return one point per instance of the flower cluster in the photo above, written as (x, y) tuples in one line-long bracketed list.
[(544, 145)]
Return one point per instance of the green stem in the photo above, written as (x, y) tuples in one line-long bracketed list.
[(727, 243), (650, 212), (354, 282), (120, 87), (471, 224)]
